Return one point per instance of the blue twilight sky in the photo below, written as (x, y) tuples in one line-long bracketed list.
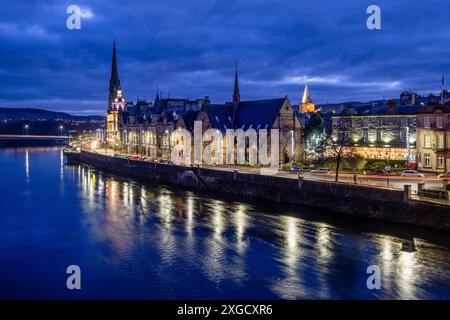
[(188, 49)]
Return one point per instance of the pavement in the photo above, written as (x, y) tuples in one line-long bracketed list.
[(390, 182)]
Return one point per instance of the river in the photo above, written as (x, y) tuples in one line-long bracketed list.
[(134, 240)]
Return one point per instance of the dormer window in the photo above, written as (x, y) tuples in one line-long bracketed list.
[(427, 122), (439, 122)]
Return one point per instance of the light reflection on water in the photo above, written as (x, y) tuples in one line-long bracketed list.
[(146, 241)]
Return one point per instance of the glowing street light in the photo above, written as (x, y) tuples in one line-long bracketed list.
[(61, 128), (26, 129)]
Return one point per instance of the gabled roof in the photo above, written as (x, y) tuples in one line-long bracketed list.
[(257, 114), (188, 118), (220, 115)]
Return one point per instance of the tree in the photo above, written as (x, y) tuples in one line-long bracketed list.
[(339, 144), (338, 149), (315, 136)]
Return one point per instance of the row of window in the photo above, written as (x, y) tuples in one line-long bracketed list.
[(439, 122), (402, 122), (439, 161), (146, 138), (427, 141), (379, 135)]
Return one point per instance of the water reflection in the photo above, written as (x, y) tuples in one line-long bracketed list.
[(27, 165), (148, 241), (307, 251), (240, 220), (215, 258), (290, 286)]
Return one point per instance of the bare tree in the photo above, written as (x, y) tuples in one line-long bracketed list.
[(338, 148)]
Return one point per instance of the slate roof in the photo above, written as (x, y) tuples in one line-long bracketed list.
[(141, 110), (257, 114), (189, 117), (401, 110), (220, 115), (254, 114), (434, 107)]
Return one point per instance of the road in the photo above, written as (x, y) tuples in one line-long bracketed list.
[(391, 182)]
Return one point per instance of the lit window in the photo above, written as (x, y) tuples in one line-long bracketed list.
[(427, 141), (440, 141), (440, 161), (427, 160), (439, 122)]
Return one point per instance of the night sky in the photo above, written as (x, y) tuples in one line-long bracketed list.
[(188, 49)]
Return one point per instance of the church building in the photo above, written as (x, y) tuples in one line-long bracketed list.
[(146, 128), (306, 105)]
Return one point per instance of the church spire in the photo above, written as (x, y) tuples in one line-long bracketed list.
[(306, 98), (236, 94), (114, 82), (306, 105)]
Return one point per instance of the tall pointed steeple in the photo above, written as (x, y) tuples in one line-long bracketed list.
[(306, 105), (114, 82), (306, 98), (236, 94)]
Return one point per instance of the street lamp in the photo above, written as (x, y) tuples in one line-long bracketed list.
[(26, 129), (61, 128)]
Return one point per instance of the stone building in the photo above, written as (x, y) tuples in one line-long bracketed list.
[(433, 138), (146, 128), (306, 105), (258, 114), (387, 131), (116, 104)]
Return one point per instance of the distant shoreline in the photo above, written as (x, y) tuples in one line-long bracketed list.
[(30, 143)]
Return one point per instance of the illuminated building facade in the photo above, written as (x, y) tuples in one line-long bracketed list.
[(146, 128), (116, 105), (433, 138), (306, 104), (387, 131)]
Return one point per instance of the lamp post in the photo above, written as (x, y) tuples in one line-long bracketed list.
[(61, 128), (26, 129)]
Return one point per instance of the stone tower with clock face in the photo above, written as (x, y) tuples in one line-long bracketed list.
[(116, 104)]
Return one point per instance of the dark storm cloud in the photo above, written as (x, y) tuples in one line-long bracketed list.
[(188, 48)]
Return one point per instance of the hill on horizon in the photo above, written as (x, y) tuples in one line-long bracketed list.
[(35, 114)]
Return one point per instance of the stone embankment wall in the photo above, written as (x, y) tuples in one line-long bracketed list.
[(335, 198)]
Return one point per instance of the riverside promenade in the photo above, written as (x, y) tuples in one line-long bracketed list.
[(398, 206)]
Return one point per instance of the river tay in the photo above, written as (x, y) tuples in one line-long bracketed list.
[(138, 241)]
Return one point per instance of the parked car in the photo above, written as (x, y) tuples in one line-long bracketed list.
[(444, 175), (166, 161), (320, 171), (411, 173), (377, 172), (296, 169), (135, 158)]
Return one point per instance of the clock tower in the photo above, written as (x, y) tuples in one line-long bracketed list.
[(116, 104)]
